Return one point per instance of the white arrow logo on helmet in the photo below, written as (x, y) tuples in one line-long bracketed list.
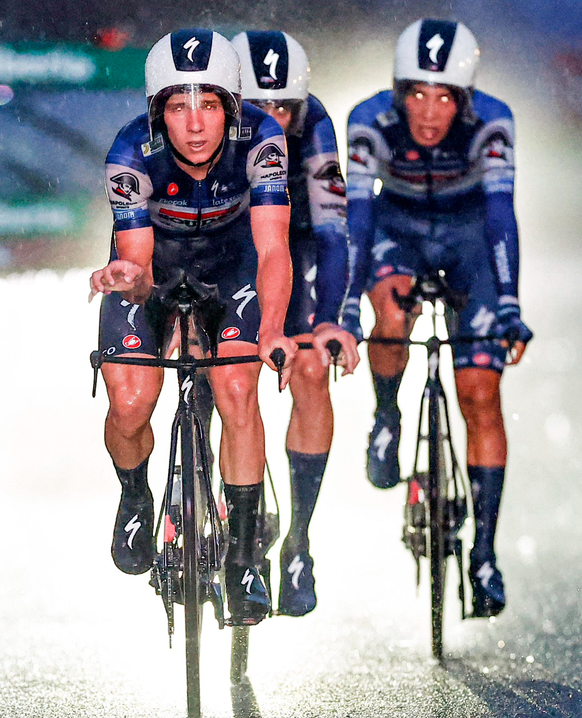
[(271, 59), (191, 45), (434, 45)]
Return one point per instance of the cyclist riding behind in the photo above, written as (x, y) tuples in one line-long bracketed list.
[(430, 187), (275, 77), (192, 186)]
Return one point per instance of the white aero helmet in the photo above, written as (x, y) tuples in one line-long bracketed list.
[(274, 66), (187, 59), (437, 51)]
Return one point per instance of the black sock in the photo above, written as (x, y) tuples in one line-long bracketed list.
[(486, 488), (306, 476), (386, 388), (134, 481), (242, 503)]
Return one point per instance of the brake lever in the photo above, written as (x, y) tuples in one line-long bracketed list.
[(334, 347), (278, 359)]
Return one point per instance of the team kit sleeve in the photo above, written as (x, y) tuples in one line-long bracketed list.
[(328, 208), (496, 142), (127, 184), (363, 151), (267, 165)]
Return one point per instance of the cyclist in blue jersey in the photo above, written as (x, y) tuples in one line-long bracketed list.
[(275, 77), (198, 183), (430, 187)]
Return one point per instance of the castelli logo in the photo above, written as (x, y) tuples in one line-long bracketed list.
[(311, 319), (412, 155), (131, 342), (172, 189), (230, 333), (384, 271), (482, 359)]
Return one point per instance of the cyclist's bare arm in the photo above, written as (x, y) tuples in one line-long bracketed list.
[(131, 273), (270, 227)]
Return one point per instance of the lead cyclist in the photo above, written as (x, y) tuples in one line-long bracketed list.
[(192, 185)]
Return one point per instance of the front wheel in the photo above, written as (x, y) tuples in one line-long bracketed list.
[(437, 501), (193, 598)]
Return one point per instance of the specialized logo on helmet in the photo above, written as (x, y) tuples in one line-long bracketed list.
[(270, 155), (271, 60), (191, 45), (435, 41), (126, 184), (434, 45), (334, 182), (131, 342)]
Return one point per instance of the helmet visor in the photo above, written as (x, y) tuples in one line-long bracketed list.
[(182, 98), (287, 112)]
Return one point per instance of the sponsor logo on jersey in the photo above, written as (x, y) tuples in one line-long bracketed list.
[(497, 148), (230, 333), (150, 148), (482, 359), (131, 341), (125, 184), (173, 188), (243, 133), (191, 218), (270, 155), (360, 151), (331, 175)]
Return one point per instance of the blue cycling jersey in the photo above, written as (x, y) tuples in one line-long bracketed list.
[(318, 212), (468, 175), (193, 219)]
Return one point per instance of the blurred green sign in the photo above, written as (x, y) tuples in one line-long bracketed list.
[(69, 65), (42, 217)]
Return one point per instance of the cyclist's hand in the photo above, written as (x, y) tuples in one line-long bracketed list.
[(351, 319), (118, 276), (348, 356), (268, 342), (513, 332)]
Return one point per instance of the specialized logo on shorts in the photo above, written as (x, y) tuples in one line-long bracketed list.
[(126, 184), (246, 294), (131, 342), (230, 333), (270, 155), (334, 182), (482, 359), (173, 189)]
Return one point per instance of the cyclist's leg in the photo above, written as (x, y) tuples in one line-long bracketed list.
[(387, 363), (308, 443), (479, 367), (133, 393), (309, 434), (242, 462), (242, 445)]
